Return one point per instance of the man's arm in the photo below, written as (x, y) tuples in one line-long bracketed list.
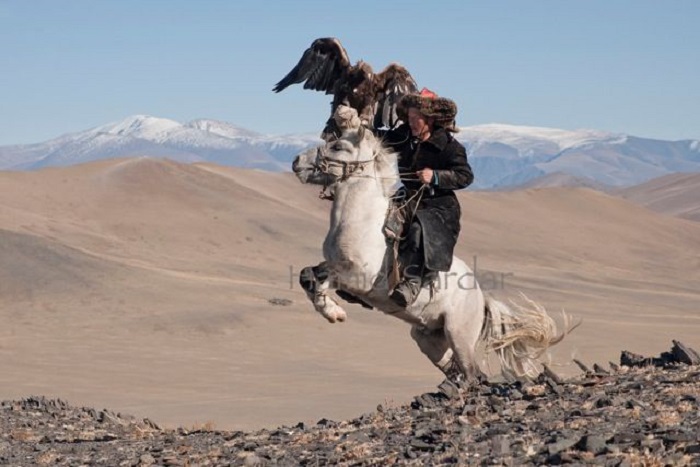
[(459, 175)]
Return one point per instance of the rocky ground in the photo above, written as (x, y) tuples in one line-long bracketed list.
[(644, 411)]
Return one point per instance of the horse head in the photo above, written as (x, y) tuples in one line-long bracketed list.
[(352, 153)]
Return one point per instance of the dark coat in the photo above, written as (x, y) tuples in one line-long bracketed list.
[(438, 211)]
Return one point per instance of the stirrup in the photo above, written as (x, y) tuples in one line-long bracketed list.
[(405, 293)]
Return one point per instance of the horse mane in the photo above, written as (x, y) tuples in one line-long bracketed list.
[(387, 165)]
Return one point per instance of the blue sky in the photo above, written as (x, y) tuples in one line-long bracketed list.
[(623, 66)]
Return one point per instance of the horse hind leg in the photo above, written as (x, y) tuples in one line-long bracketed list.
[(463, 337), (316, 282), (463, 346), (435, 346)]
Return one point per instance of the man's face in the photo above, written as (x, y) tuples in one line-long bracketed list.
[(418, 123)]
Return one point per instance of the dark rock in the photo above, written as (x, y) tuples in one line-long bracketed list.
[(561, 445), (500, 429), (556, 388), (252, 460), (632, 359), (251, 446), (632, 403), (654, 445), (421, 445), (600, 370), (324, 422), (551, 374), (515, 395), (495, 401), (624, 462), (421, 432), (410, 453), (427, 400), (603, 402), (683, 354), (356, 436), (279, 301), (533, 406), (500, 445), (621, 438), (583, 367), (676, 437), (449, 389), (666, 359), (592, 443), (612, 449), (692, 449), (151, 424)]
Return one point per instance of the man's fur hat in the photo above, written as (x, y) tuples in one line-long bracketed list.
[(428, 103)]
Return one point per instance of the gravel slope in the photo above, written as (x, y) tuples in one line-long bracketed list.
[(641, 412)]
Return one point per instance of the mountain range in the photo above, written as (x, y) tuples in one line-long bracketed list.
[(501, 155)]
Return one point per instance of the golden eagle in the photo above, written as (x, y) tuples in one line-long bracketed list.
[(325, 66)]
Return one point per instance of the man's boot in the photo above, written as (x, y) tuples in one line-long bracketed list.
[(406, 291)]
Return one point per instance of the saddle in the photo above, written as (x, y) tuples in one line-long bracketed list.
[(398, 215)]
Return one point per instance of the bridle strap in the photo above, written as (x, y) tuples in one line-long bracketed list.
[(324, 165)]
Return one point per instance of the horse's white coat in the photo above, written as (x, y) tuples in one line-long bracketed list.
[(450, 318)]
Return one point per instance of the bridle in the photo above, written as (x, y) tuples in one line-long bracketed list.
[(340, 169), (326, 165)]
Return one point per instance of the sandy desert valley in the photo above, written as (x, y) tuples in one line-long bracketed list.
[(169, 291)]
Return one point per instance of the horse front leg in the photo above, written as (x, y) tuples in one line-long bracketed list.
[(316, 282)]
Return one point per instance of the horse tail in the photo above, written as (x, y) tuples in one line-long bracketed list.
[(519, 335)]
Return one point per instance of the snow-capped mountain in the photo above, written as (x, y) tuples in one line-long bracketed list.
[(501, 155), (507, 155), (142, 135)]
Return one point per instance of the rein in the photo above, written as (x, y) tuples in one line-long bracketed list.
[(325, 165)]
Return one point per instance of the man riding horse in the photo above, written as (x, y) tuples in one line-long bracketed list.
[(433, 164)]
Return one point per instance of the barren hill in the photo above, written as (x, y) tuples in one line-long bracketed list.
[(145, 285), (676, 194), (559, 180)]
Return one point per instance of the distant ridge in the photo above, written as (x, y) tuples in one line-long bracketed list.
[(674, 194), (502, 155), (561, 180)]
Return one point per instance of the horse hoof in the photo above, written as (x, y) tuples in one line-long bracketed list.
[(336, 316)]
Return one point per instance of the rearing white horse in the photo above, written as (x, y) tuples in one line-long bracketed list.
[(450, 317)]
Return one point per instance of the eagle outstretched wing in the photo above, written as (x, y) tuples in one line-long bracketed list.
[(325, 66), (321, 65), (393, 82)]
